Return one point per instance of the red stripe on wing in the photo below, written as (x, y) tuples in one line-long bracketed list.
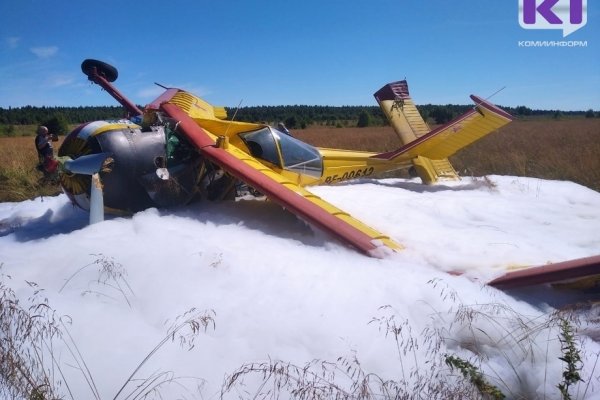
[(551, 273)]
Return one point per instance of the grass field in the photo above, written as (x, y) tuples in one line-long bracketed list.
[(549, 149), (564, 149), (19, 180), (567, 149)]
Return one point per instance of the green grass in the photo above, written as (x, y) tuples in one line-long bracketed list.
[(17, 130)]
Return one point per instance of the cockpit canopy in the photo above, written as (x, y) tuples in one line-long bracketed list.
[(284, 151)]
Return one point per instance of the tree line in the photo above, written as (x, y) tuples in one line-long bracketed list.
[(301, 116), (294, 116), (30, 115)]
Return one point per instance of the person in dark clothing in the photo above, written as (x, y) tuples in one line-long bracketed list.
[(43, 145)]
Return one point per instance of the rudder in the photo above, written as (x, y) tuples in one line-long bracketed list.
[(402, 114), (400, 110)]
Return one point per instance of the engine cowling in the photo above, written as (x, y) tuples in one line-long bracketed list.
[(149, 168)]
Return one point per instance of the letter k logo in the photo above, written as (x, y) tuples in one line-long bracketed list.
[(544, 9), (565, 15)]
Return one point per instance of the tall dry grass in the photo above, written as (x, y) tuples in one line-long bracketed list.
[(31, 332), (368, 139), (469, 351), (567, 149), (551, 149), (19, 179)]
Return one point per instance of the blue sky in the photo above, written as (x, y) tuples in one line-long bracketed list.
[(293, 52)]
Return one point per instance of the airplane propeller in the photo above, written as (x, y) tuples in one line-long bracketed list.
[(92, 165)]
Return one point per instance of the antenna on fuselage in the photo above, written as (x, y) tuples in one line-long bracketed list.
[(496, 92), (490, 96), (481, 101), (234, 114), (236, 110)]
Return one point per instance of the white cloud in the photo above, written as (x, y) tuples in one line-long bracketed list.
[(60, 80), (197, 90), (150, 92), (44, 52), (13, 42)]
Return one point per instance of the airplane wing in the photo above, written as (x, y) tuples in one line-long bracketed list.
[(582, 272), (280, 190), (446, 140)]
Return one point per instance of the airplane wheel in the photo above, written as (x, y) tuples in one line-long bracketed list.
[(109, 72)]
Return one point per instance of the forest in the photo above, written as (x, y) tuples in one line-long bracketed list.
[(294, 116)]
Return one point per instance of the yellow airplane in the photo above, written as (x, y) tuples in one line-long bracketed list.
[(181, 148), (424, 150)]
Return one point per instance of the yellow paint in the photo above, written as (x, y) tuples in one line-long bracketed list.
[(405, 119), (280, 178), (114, 127), (587, 283), (342, 165), (429, 157)]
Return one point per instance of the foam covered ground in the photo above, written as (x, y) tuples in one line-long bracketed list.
[(279, 290)]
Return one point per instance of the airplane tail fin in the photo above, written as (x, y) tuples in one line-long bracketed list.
[(400, 110), (429, 150)]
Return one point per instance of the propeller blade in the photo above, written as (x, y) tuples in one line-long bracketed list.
[(96, 200), (87, 165), (91, 165)]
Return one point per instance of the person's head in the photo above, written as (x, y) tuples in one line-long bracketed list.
[(42, 130)]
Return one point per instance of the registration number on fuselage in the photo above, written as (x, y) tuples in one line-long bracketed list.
[(359, 173)]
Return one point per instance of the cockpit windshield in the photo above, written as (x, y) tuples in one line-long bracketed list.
[(262, 145), (299, 156), (284, 151)]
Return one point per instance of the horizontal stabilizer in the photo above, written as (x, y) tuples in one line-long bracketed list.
[(431, 171), (483, 119)]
